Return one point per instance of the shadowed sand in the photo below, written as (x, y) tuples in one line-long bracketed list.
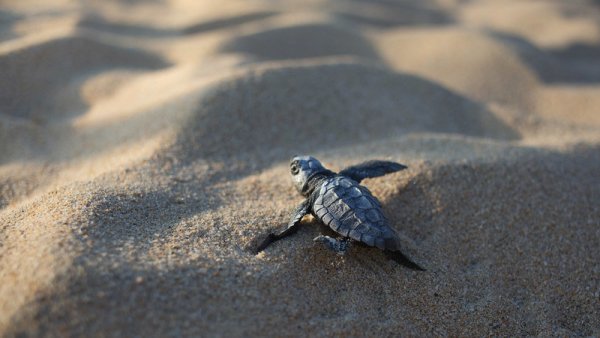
[(144, 152)]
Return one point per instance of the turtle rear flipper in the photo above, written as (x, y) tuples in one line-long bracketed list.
[(337, 245)]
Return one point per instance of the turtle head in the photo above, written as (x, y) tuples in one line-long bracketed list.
[(302, 169)]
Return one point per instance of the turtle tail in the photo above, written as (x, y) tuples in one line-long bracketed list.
[(398, 257)]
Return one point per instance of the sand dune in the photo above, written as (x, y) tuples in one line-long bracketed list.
[(144, 152), (301, 41), (544, 23), (47, 72), (302, 117), (101, 24), (430, 53)]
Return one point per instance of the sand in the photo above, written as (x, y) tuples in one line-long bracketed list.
[(144, 152)]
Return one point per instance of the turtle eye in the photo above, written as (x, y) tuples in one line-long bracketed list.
[(294, 168)]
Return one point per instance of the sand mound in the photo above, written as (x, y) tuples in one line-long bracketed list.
[(574, 104), (99, 23), (41, 80), (263, 110), (557, 66), (388, 14), (545, 23), (7, 19), (480, 264), (301, 41), (430, 53), (227, 22)]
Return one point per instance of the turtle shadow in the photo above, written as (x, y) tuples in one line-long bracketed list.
[(411, 210)]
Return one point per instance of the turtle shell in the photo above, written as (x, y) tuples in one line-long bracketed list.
[(352, 211)]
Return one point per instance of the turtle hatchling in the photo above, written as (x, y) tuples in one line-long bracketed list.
[(348, 208)]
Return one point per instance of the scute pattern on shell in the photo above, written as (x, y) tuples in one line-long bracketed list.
[(351, 210)]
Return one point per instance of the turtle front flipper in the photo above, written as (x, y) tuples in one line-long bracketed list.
[(291, 227), (371, 169)]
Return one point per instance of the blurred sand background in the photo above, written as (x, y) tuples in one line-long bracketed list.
[(144, 150)]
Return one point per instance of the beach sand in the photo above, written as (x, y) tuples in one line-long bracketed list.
[(144, 150)]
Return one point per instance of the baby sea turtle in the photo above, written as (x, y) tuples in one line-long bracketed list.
[(348, 208)]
